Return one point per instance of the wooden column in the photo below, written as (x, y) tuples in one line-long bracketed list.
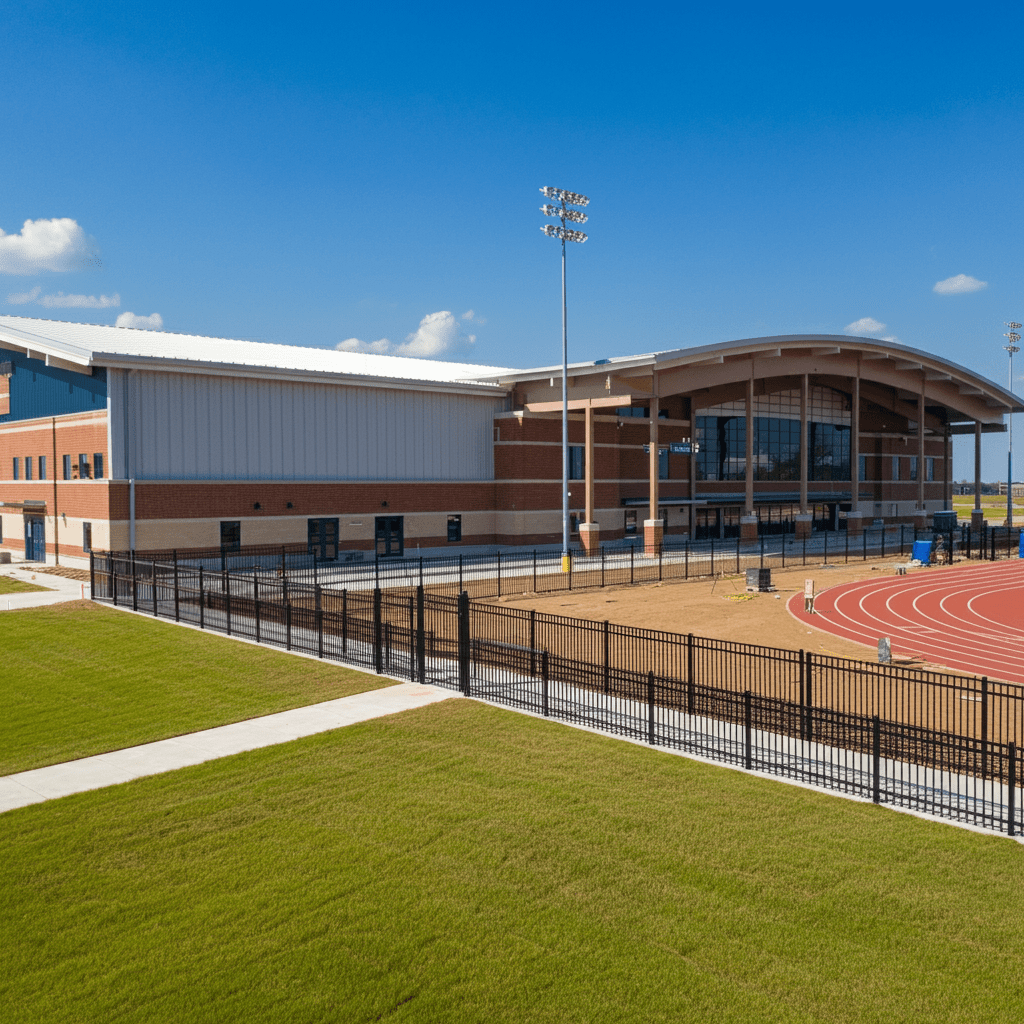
[(692, 460), (855, 441), (920, 447), (749, 501), (977, 465), (803, 444), (588, 453), (653, 463), (947, 472)]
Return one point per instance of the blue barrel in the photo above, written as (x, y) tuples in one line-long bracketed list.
[(922, 551)]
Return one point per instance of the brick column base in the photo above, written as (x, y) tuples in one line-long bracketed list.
[(748, 528), (803, 526), (921, 518), (590, 538), (854, 523), (654, 531)]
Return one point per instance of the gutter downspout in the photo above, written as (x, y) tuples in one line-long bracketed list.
[(56, 519)]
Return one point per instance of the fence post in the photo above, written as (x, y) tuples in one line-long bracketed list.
[(544, 683), (690, 681), (421, 570), (319, 621), (805, 548), (177, 599), (344, 621), (650, 708), (748, 753), (533, 641), (903, 527), (256, 601), (661, 555), (864, 536), (535, 570), (378, 652), (737, 556), (607, 666), (412, 639), (686, 561), (499, 574), (113, 580), (883, 540), (421, 636), (984, 727), (762, 550), (225, 586), (602, 568), (803, 695), (463, 640), (152, 574), (846, 553), (92, 576), (571, 560), (1011, 802), (288, 627), (782, 546), (460, 573), (876, 760), (135, 586), (284, 564), (632, 553), (202, 599), (824, 533)]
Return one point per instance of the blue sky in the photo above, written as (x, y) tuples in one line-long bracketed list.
[(321, 173)]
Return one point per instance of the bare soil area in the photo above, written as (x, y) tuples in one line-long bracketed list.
[(722, 608)]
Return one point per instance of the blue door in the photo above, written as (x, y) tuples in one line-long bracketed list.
[(35, 539)]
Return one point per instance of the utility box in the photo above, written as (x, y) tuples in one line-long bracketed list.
[(759, 580), (922, 552)]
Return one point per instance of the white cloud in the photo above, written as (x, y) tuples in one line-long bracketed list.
[(57, 244), (153, 322), (355, 345), (437, 333), (62, 301), (959, 284), (865, 325), (20, 298), (473, 318)]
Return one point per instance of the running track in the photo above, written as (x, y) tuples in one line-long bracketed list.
[(969, 619)]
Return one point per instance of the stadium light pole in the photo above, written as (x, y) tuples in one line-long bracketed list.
[(564, 213), (1011, 348)]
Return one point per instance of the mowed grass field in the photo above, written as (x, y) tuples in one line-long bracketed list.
[(464, 863), (80, 679), (992, 505), (12, 586)]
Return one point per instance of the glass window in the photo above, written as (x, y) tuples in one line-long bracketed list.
[(28, 467), (662, 463), (575, 462), (67, 467), (83, 467), (895, 467), (231, 535), (42, 467), (87, 537), (931, 468), (97, 465), (17, 469), (454, 529), (862, 467), (574, 522), (913, 467), (630, 522)]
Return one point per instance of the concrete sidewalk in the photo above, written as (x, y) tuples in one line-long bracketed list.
[(101, 770), (58, 589)]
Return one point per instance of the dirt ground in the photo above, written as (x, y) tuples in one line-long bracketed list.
[(722, 608)]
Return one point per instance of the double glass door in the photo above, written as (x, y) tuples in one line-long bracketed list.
[(389, 536)]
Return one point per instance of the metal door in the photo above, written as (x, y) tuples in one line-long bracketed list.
[(389, 536), (322, 538), (35, 539)]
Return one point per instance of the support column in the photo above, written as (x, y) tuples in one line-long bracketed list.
[(748, 521), (947, 472), (692, 460), (653, 526), (803, 520), (920, 447), (590, 532), (977, 516), (854, 522)]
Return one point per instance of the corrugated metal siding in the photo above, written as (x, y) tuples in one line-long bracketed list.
[(39, 390), (192, 427)]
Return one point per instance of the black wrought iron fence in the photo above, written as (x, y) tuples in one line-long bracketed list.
[(942, 743)]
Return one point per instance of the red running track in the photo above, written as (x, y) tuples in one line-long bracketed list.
[(969, 619)]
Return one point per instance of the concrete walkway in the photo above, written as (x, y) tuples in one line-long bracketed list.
[(58, 588), (101, 770)]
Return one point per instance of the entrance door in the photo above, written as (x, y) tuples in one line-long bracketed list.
[(322, 538), (35, 539), (390, 536)]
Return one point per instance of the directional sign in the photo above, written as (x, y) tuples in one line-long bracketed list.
[(683, 448)]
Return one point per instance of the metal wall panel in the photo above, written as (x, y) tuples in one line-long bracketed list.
[(192, 427), (39, 390)]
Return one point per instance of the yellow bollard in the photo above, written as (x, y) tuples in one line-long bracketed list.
[(565, 563)]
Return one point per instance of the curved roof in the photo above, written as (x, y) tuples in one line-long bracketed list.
[(961, 391)]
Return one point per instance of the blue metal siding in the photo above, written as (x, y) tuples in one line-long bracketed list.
[(39, 390)]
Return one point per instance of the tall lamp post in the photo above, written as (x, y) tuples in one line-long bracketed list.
[(566, 234), (1011, 348)]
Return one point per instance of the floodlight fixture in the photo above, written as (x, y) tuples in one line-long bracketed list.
[(1014, 337), (564, 234)]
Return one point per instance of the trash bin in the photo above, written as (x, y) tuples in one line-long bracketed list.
[(759, 580), (922, 551), (943, 522)]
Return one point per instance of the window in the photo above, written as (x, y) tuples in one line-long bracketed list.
[(913, 467), (862, 467), (662, 463), (83, 467), (87, 537), (454, 529), (28, 467), (630, 522), (17, 469), (67, 467), (574, 523), (231, 535), (895, 467), (575, 462), (42, 467), (930, 469), (97, 465)]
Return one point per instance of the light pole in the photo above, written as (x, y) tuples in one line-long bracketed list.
[(1011, 348), (563, 213)]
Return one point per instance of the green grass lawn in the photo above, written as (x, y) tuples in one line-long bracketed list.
[(463, 863), (81, 679), (12, 586), (993, 507)]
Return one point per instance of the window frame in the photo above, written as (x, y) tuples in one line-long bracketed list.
[(16, 468), (232, 525), (83, 466), (97, 465), (86, 537), (42, 467), (455, 528)]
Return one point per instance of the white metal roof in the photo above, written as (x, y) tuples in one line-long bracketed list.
[(86, 345)]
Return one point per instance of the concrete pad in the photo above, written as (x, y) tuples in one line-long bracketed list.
[(14, 794)]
